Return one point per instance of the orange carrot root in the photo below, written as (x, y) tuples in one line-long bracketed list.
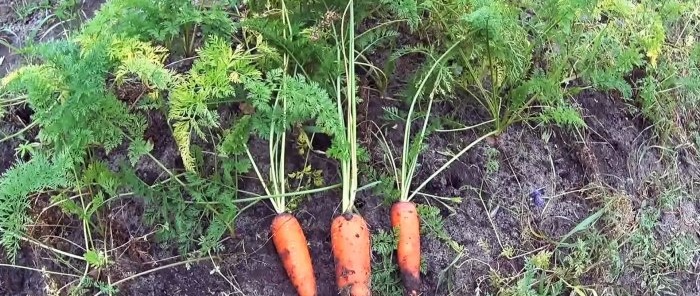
[(291, 246), (404, 217), (351, 252)]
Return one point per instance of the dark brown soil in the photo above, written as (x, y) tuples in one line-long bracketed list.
[(616, 151)]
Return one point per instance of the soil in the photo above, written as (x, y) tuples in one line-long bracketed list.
[(617, 151)]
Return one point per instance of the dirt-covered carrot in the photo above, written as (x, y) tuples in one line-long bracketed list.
[(404, 218), (291, 246), (351, 251)]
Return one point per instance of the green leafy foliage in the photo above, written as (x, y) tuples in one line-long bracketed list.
[(544, 51), (501, 38), (499, 41), (75, 109), (432, 224), (138, 148), (562, 116), (378, 37), (72, 104), (202, 191), (310, 45), (212, 77), (24, 9), (179, 213), (527, 285), (637, 50), (305, 101), (163, 21), (66, 9), (385, 274), (655, 259), (87, 283), (16, 184), (143, 61), (313, 54), (409, 10), (235, 139), (96, 258), (524, 60)]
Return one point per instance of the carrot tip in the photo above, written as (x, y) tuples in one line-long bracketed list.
[(410, 281), (404, 218)]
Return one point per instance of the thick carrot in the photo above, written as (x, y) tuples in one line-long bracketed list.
[(351, 252), (404, 218), (290, 243)]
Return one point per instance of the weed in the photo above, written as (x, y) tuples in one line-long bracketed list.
[(620, 216), (670, 198), (66, 9), (87, 283), (385, 274), (26, 149), (96, 259), (386, 186), (25, 8), (432, 224), (655, 259), (492, 161)]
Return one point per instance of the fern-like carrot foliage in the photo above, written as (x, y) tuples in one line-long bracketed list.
[(213, 76), (23, 179)]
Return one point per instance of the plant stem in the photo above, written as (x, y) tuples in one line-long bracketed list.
[(39, 270), (447, 164), (52, 249), (164, 168), (349, 166), (303, 192), (31, 125), (353, 104), (408, 162), (465, 128), (257, 171), (154, 270), (22, 98)]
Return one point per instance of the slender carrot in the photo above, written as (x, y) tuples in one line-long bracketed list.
[(404, 218), (291, 246), (351, 252)]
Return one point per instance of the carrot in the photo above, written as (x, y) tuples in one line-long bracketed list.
[(351, 252), (291, 246), (349, 232), (404, 218)]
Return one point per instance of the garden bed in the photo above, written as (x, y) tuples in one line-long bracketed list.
[(615, 182)]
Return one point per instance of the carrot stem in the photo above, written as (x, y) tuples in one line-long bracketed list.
[(349, 164), (350, 238)]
